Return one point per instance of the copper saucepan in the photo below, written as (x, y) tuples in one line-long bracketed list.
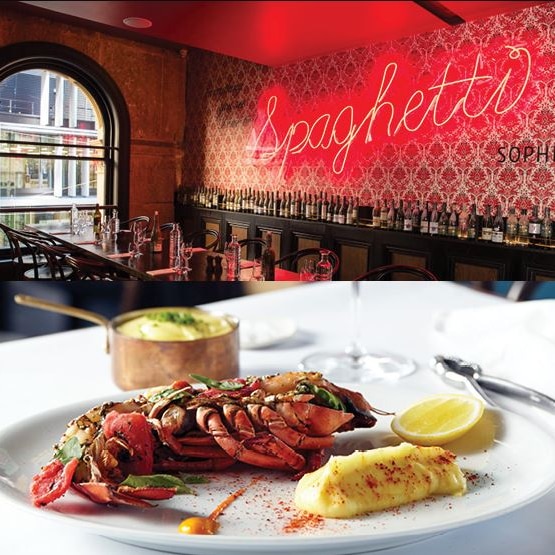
[(142, 363)]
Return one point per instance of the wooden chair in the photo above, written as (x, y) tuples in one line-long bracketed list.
[(382, 273), (49, 258), (208, 239), (94, 270), (56, 267), (142, 219), (294, 259), (254, 246)]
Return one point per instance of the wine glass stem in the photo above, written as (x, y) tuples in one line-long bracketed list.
[(355, 348)]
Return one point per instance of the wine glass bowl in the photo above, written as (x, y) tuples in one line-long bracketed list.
[(187, 253), (355, 363)]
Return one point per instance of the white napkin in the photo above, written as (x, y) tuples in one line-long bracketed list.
[(515, 341)]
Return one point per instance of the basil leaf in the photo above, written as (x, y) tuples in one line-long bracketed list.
[(174, 394), (226, 385), (328, 398), (157, 481), (194, 479), (71, 450)]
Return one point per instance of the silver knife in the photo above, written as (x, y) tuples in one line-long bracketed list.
[(458, 371)]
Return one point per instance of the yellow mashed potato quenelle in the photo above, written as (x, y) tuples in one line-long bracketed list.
[(175, 325), (379, 479)]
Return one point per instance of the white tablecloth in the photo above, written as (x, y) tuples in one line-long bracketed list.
[(42, 373)]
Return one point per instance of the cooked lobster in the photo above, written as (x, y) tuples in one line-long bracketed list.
[(284, 422)]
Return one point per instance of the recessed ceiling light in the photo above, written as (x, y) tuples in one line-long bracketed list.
[(137, 22)]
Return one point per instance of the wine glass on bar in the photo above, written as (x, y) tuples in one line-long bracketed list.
[(355, 363)]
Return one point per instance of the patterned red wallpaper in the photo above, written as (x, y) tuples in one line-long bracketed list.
[(460, 115)]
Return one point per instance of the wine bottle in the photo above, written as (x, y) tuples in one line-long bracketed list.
[(233, 258), (399, 217), (534, 226), (350, 210), (434, 220), (425, 220), (443, 223), (268, 259), (416, 218), (511, 229), (324, 208), (355, 211), (462, 224), (498, 226), (383, 215), (452, 223), (156, 239), (472, 223), (97, 222), (546, 227), (487, 225), (376, 214), (390, 223), (523, 227), (407, 218)]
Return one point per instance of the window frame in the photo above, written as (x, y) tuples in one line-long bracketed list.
[(99, 84)]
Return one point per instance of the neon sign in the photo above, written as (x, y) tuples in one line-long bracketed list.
[(332, 130)]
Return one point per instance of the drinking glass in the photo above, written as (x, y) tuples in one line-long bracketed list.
[(139, 238), (187, 253), (355, 363), (256, 274), (308, 270)]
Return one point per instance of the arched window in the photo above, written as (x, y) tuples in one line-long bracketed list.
[(64, 135)]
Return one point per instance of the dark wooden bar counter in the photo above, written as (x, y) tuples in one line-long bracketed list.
[(363, 247)]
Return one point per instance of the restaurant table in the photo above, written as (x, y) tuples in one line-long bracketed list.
[(42, 373), (205, 265)]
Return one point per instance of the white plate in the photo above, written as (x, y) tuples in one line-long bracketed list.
[(264, 332), (515, 470)]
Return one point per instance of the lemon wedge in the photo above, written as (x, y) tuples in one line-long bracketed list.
[(438, 419)]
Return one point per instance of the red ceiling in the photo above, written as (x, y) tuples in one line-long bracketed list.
[(273, 32)]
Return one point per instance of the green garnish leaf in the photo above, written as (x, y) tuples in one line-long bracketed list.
[(226, 385), (329, 399), (169, 393), (71, 450), (157, 481), (188, 479), (181, 318)]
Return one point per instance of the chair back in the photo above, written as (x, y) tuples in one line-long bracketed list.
[(24, 252), (94, 270), (294, 259), (382, 273), (141, 219), (208, 239), (56, 266), (256, 243)]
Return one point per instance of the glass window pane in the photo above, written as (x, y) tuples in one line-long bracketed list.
[(52, 150)]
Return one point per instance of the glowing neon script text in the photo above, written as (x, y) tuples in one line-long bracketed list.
[(326, 131)]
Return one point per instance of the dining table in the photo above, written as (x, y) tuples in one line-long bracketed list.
[(143, 264), (41, 374)]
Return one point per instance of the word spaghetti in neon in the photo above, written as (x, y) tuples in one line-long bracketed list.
[(389, 108)]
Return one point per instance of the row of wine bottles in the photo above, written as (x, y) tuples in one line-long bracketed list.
[(285, 204), (432, 218)]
